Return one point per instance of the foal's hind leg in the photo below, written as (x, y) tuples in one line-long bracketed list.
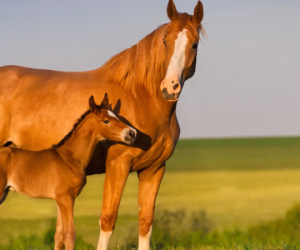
[(66, 206)]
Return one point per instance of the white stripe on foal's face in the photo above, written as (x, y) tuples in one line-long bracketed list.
[(178, 58), (112, 114)]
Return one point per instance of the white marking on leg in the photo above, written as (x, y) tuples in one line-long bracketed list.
[(144, 241), (178, 58), (103, 240)]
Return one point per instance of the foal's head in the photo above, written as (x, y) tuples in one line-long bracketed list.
[(181, 43), (108, 125)]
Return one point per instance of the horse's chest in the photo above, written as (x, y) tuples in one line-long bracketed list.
[(158, 153)]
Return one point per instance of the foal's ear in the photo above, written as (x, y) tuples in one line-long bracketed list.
[(198, 13), (104, 103), (171, 10), (92, 104)]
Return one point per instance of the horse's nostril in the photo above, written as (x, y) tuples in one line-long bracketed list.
[(132, 134), (176, 86)]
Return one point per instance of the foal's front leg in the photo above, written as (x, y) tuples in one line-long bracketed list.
[(59, 232), (66, 207)]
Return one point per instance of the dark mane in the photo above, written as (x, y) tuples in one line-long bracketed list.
[(62, 142)]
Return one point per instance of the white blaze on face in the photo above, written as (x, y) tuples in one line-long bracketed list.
[(112, 114), (178, 58)]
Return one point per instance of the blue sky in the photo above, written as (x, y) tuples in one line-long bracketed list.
[(247, 81)]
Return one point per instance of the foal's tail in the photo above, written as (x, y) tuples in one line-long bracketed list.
[(5, 153), (4, 194)]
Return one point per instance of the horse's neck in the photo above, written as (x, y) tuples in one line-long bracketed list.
[(78, 149)]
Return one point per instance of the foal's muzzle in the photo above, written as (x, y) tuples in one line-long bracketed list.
[(130, 136)]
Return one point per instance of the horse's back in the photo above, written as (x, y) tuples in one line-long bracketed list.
[(14, 78), (9, 80), (11, 76), (34, 101)]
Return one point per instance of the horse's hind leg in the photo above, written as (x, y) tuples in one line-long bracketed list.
[(3, 186), (4, 189), (4, 122)]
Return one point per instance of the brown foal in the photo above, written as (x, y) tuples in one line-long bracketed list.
[(59, 172)]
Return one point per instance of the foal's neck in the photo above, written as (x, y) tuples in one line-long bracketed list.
[(78, 149)]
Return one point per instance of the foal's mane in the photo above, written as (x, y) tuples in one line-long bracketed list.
[(75, 126)]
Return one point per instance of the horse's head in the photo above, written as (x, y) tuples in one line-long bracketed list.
[(181, 43), (108, 125)]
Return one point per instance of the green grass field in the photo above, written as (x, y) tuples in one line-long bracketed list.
[(239, 183)]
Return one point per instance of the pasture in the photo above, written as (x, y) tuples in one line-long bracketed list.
[(239, 183)]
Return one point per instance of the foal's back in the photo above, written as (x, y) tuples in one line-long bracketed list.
[(36, 173)]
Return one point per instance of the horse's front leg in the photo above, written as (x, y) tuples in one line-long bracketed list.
[(116, 175), (149, 182), (66, 207)]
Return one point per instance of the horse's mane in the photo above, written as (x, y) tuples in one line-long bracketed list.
[(142, 64), (68, 136)]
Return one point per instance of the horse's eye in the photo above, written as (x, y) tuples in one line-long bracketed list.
[(195, 46), (164, 42), (106, 121)]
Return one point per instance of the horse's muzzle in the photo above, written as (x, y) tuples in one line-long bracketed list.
[(170, 89), (130, 136), (169, 97)]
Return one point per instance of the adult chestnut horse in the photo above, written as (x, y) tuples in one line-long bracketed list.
[(144, 83)]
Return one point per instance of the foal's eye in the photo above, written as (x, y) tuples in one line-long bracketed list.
[(195, 46), (164, 42), (106, 121)]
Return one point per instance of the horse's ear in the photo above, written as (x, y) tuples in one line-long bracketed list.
[(171, 10), (104, 103), (92, 104), (198, 13)]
